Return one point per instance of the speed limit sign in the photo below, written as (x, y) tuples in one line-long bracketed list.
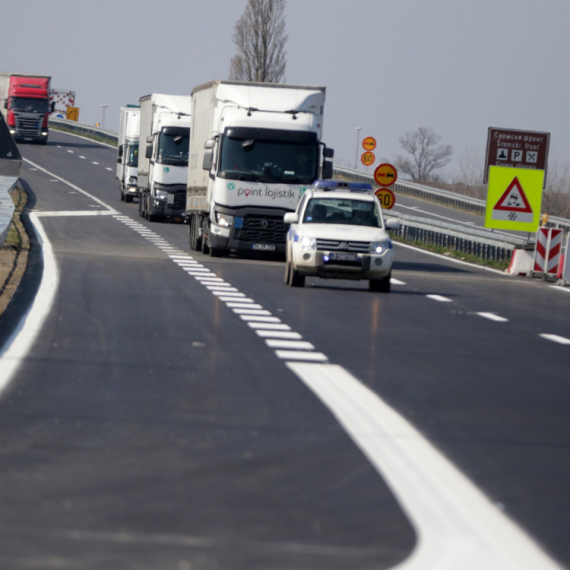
[(387, 198), (367, 158)]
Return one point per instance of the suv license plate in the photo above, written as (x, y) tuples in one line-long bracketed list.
[(342, 256), (264, 246)]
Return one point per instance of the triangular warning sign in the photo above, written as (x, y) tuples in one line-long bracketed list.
[(514, 199)]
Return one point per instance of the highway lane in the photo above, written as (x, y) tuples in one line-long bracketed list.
[(471, 388)]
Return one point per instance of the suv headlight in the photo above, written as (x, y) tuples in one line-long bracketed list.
[(223, 220), (381, 247), (161, 194), (308, 243)]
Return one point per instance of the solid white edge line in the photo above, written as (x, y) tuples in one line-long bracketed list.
[(555, 338), (457, 526), (18, 346)]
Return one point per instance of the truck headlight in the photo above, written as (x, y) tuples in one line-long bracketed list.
[(161, 194), (380, 247), (223, 220), (308, 243)]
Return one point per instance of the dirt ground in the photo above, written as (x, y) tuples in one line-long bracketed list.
[(13, 252)]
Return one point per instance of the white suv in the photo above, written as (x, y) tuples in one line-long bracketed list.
[(338, 232)]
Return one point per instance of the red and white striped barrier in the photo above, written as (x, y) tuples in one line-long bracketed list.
[(565, 265), (548, 250)]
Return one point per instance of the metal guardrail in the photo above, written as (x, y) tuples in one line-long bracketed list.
[(110, 137), (445, 197)]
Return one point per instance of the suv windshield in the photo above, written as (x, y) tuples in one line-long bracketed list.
[(25, 105), (269, 160), (342, 211), (173, 148)]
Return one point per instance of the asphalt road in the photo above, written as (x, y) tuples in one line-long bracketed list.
[(151, 425)]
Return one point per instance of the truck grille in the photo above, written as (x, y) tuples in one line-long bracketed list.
[(261, 229), (337, 245), (28, 125), (179, 200)]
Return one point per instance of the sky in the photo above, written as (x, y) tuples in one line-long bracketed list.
[(389, 66)]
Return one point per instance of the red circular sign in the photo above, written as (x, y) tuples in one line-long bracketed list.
[(369, 143), (385, 174), (367, 158)]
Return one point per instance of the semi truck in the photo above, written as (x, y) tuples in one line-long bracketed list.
[(254, 149), (128, 151), (163, 166), (24, 101)]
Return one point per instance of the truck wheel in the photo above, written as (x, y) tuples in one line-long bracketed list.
[(296, 279), (380, 285), (128, 198), (195, 239), (141, 206), (122, 193), (205, 236), (216, 252)]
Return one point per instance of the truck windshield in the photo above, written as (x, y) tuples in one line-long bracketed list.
[(133, 157), (25, 105), (257, 159), (173, 147)]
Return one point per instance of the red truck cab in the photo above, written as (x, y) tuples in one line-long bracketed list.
[(28, 108)]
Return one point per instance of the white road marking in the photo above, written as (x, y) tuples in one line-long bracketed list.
[(228, 295), (73, 213), (70, 151), (269, 326), (82, 157), (290, 344), (566, 289), (457, 526), (244, 306), (243, 300), (299, 355), (556, 338), (96, 163), (439, 298), (224, 288), (18, 346), (112, 210), (259, 319), (493, 317), (261, 312), (396, 281), (278, 334), (107, 168)]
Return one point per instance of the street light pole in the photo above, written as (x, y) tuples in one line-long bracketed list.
[(358, 129), (103, 121)]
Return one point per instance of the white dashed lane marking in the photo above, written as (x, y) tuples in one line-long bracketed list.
[(439, 298), (556, 338), (493, 317)]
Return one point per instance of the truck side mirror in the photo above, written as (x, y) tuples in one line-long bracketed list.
[(52, 107), (328, 152), (148, 151), (119, 160), (327, 172), (208, 160), (120, 152)]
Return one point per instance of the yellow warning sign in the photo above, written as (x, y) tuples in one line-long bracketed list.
[(72, 114), (514, 198)]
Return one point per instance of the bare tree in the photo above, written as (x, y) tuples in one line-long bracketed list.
[(260, 39), (426, 155)]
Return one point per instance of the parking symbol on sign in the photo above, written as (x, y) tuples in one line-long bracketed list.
[(516, 155), (532, 156)]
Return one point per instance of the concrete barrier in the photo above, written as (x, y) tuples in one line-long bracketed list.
[(10, 170)]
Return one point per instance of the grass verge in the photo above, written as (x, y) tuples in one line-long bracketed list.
[(495, 264)]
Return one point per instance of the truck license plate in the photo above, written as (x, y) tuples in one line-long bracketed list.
[(264, 246)]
